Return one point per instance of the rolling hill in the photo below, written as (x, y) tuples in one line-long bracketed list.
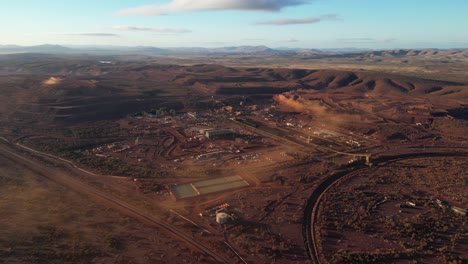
[(80, 90)]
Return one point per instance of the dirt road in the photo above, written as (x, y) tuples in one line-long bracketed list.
[(78, 186)]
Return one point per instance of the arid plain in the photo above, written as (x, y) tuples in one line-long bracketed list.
[(309, 156)]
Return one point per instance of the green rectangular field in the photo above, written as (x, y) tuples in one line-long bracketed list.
[(183, 191), (223, 180), (208, 186), (222, 187)]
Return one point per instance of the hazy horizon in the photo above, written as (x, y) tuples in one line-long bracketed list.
[(111, 47), (319, 24)]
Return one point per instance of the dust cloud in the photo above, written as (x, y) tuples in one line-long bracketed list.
[(52, 81), (299, 104), (319, 111)]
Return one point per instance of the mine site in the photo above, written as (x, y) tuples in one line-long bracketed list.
[(234, 131), (260, 165)]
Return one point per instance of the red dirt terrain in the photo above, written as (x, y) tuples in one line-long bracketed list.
[(136, 127), (397, 212)]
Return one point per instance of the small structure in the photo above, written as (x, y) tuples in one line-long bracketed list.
[(441, 203), (222, 133), (192, 115), (368, 160), (222, 218), (459, 210)]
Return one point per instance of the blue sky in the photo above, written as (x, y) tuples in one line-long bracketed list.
[(378, 24)]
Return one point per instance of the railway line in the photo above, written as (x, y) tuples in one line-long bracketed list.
[(293, 139), (85, 189)]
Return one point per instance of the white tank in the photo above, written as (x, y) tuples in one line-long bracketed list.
[(222, 218)]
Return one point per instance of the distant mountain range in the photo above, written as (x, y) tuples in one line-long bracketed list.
[(255, 50), (46, 48)]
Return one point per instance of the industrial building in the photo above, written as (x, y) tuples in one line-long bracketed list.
[(222, 133)]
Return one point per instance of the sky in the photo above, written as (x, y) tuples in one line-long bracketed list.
[(374, 24)]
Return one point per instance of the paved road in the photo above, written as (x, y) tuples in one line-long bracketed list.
[(74, 184)]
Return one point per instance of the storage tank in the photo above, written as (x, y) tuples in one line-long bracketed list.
[(222, 218)]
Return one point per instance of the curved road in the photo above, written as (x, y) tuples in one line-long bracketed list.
[(311, 210), (81, 187)]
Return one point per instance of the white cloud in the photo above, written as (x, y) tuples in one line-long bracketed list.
[(152, 29), (366, 40), (202, 5), (290, 40), (294, 21), (86, 34), (253, 39)]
